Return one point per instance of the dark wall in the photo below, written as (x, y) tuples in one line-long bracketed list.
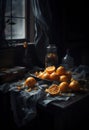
[(70, 27), (76, 33), (14, 56)]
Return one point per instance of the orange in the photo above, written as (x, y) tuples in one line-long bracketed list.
[(74, 85), (25, 45), (30, 81), (45, 75), (63, 86), (53, 89), (36, 73), (60, 70), (53, 76), (69, 75), (50, 69), (63, 78), (40, 74)]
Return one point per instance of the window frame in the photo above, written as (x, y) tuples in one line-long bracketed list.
[(27, 26)]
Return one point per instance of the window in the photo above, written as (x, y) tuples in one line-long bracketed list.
[(15, 20)]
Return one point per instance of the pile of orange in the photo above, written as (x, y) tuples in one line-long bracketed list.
[(66, 83), (60, 74), (63, 87), (54, 74)]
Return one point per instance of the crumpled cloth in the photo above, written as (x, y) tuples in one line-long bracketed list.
[(81, 72), (23, 104), (48, 100), (5, 87)]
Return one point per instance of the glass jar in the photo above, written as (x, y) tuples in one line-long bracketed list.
[(51, 57)]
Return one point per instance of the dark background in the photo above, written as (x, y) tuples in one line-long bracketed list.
[(69, 28)]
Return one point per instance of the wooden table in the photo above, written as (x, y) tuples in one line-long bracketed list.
[(72, 114)]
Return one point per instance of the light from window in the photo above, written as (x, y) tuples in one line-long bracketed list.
[(15, 19)]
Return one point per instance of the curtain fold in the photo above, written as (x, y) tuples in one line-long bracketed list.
[(2, 20), (43, 18)]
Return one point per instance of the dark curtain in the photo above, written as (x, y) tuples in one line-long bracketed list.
[(43, 21), (2, 20)]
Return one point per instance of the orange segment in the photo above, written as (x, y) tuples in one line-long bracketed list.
[(50, 69), (53, 89)]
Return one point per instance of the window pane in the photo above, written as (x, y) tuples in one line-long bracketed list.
[(15, 19), (18, 8), (16, 28), (8, 8), (7, 28)]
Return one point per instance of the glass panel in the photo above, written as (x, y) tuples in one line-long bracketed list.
[(8, 8), (15, 19), (15, 29), (7, 28), (18, 30), (18, 8)]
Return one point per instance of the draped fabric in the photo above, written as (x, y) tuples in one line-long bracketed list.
[(2, 20), (43, 18)]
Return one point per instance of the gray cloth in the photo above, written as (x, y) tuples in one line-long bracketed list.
[(23, 104), (81, 72), (5, 87)]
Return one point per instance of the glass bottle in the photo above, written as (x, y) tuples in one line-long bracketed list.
[(68, 61), (51, 57)]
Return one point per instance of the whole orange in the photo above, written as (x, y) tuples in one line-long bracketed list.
[(30, 81), (69, 74), (45, 75), (53, 76), (63, 78), (63, 86), (74, 85), (60, 70)]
